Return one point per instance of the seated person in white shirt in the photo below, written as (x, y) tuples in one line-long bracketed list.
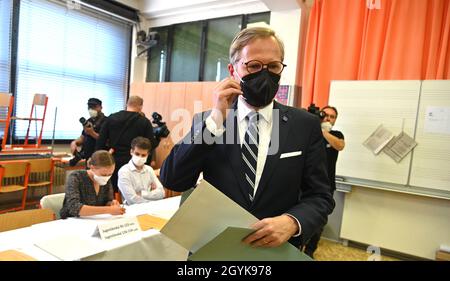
[(137, 181)]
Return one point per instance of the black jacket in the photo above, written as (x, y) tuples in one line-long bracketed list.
[(295, 185), (120, 129)]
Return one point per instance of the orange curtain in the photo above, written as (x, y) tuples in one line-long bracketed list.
[(402, 40)]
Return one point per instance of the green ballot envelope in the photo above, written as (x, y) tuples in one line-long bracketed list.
[(211, 226), (228, 246)]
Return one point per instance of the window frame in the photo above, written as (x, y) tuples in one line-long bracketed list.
[(203, 44), (128, 13)]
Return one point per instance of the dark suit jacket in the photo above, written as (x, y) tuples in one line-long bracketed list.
[(295, 185)]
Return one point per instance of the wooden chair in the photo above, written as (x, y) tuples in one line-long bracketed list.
[(24, 218), (118, 197), (41, 175), (14, 178), (39, 101), (6, 105)]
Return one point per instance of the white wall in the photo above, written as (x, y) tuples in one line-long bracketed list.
[(287, 25), (411, 224)]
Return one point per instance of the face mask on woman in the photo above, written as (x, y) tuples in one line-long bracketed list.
[(101, 180)]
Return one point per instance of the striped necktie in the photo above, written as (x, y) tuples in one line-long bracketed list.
[(250, 152)]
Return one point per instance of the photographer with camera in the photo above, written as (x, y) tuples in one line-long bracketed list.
[(90, 133), (121, 128), (334, 142)]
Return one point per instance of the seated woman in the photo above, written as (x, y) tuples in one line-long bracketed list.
[(90, 192)]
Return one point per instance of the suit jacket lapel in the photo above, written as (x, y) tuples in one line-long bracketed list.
[(279, 134)]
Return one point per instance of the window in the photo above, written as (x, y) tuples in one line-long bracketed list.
[(70, 55), (220, 34), (186, 52), (157, 57), (5, 44), (196, 51), (257, 18)]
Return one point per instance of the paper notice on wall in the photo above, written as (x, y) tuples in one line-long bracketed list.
[(378, 139), (437, 120), (400, 146)]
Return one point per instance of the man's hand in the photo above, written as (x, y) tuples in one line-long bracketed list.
[(90, 131), (272, 232), (73, 147), (224, 94), (152, 186)]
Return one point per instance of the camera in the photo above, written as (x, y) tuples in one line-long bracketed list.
[(161, 130), (85, 122), (77, 156), (316, 111)]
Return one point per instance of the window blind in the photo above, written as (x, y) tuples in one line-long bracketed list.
[(69, 54), (5, 44), (5, 54)]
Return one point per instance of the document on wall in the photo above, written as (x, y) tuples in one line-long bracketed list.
[(400, 146), (437, 120), (378, 139), (206, 213)]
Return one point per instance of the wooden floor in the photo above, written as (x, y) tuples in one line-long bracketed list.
[(333, 251)]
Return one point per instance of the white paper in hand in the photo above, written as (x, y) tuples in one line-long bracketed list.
[(204, 215)]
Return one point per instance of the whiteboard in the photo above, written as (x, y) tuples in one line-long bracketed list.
[(431, 158), (362, 107)]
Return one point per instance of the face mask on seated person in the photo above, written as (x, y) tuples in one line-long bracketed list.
[(101, 180), (260, 88), (138, 161)]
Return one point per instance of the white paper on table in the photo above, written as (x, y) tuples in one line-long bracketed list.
[(437, 120), (204, 215), (71, 247)]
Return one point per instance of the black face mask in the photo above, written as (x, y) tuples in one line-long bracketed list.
[(260, 88)]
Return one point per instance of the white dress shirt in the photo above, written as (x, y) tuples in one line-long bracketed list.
[(264, 131), (135, 184)]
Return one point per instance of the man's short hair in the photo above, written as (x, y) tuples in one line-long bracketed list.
[(244, 37), (135, 101), (330, 107), (93, 102), (141, 143)]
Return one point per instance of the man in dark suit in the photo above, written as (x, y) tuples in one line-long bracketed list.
[(267, 157)]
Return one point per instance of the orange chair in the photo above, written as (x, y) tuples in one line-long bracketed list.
[(118, 197), (6, 102), (13, 178), (41, 175), (39, 100)]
